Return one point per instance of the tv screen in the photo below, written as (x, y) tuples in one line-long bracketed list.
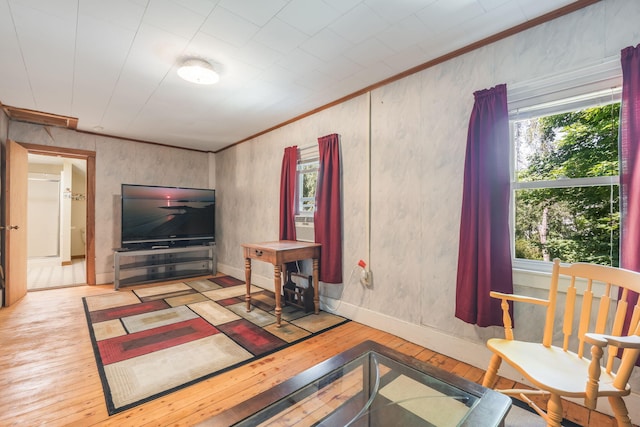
[(167, 216)]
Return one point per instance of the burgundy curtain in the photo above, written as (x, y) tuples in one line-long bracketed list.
[(328, 215), (484, 255), (629, 140), (288, 177)]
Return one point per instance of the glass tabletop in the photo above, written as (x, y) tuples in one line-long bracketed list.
[(370, 385), (371, 390)]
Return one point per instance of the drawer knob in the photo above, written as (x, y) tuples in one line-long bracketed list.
[(258, 252)]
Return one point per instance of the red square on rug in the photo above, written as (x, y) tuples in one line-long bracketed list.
[(227, 281), (131, 345), (252, 337), (127, 310), (168, 295), (230, 301)]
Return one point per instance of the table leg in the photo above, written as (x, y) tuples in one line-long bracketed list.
[(316, 298), (277, 279), (247, 277), (116, 263)]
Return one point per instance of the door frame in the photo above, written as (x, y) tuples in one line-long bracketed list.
[(90, 158)]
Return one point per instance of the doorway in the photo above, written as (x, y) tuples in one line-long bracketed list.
[(89, 159), (56, 221)]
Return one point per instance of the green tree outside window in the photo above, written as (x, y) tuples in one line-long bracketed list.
[(572, 222)]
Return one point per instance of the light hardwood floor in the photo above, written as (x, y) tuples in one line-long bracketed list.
[(48, 373), (45, 273)]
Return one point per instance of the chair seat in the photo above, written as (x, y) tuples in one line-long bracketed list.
[(552, 369)]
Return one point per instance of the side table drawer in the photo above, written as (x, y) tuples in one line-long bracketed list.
[(260, 254)]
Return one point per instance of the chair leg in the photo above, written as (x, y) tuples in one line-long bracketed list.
[(554, 411), (620, 411), (492, 371)]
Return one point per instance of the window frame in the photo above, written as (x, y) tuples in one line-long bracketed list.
[(579, 98), (308, 156)]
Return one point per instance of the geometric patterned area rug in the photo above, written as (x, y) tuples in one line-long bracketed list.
[(155, 340)]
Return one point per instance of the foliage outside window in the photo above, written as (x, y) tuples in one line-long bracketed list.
[(307, 181), (565, 187)]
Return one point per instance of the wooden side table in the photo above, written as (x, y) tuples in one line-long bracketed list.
[(279, 253)]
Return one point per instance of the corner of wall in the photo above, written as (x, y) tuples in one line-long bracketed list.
[(4, 127), (212, 170)]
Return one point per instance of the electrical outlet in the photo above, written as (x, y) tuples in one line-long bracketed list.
[(364, 277)]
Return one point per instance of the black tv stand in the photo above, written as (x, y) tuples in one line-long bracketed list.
[(162, 263)]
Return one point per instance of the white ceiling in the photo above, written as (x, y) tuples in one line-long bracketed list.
[(112, 63)]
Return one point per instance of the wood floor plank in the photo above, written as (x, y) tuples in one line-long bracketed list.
[(474, 374), (49, 375), (46, 408)]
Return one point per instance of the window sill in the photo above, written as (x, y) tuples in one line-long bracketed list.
[(537, 275)]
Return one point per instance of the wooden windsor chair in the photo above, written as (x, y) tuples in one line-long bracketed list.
[(591, 324)]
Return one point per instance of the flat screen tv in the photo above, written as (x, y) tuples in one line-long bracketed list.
[(154, 216)]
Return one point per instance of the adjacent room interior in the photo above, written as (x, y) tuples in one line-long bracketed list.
[(56, 215)]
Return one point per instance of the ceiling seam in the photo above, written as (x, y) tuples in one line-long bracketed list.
[(24, 63), (123, 65), (75, 54)]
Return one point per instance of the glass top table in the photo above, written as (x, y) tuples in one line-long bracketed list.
[(371, 385)]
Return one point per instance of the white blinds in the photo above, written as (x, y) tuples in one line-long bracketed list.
[(587, 86)]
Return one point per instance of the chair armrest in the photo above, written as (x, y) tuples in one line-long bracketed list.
[(598, 342), (506, 316), (518, 298), (631, 341)]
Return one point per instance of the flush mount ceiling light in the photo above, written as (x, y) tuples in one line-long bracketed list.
[(198, 71)]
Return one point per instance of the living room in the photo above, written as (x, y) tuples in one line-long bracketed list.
[(403, 151)]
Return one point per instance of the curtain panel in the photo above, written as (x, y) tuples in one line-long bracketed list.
[(484, 254), (629, 144), (328, 214), (288, 178)]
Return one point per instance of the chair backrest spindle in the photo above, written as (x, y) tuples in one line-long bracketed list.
[(547, 337), (569, 310), (635, 318), (616, 329), (585, 316), (603, 310)]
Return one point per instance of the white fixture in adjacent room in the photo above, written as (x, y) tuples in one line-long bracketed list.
[(198, 71)]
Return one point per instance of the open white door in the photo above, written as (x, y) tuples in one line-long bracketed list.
[(15, 228)]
